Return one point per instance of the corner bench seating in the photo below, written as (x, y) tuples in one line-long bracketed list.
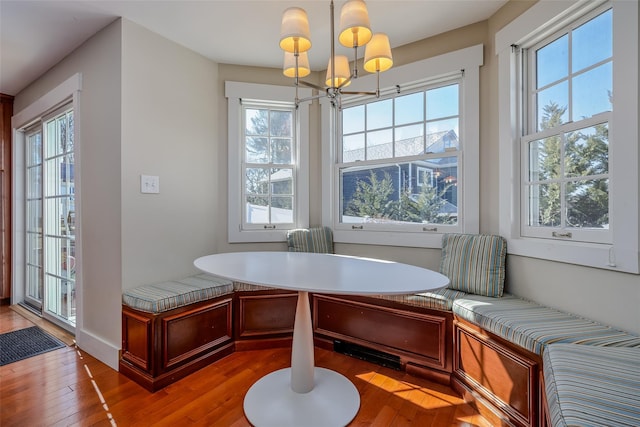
[(498, 351)]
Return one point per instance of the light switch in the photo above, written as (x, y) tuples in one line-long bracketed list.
[(149, 184)]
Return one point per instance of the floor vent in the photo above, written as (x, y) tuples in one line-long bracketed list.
[(368, 354)]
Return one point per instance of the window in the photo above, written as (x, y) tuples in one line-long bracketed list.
[(400, 159), (568, 101), (403, 169), (565, 153), (268, 164)]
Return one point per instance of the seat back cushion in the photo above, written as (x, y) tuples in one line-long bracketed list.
[(315, 239), (474, 263)]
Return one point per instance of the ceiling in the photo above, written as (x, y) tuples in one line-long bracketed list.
[(35, 35)]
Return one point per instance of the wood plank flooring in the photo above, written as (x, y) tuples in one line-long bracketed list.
[(67, 387)]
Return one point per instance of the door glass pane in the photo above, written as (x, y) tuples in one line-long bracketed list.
[(34, 283)]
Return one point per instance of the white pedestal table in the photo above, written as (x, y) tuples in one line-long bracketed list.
[(304, 395)]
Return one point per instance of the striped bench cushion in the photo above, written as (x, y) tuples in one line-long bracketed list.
[(591, 386), (315, 239), (248, 287), (474, 263), (533, 326), (159, 297), (438, 299)]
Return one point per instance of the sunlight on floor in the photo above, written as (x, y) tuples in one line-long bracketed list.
[(98, 392)]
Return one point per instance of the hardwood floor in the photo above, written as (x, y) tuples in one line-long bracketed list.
[(67, 387)]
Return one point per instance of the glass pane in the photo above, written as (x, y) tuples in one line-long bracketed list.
[(587, 151), (34, 249), (442, 135), (391, 194), (281, 181), (409, 108), (57, 138), (353, 119), (592, 92), (353, 148), (544, 159), (257, 150), (379, 114), (257, 210), (552, 62), (34, 149), (281, 152), (34, 182), (60, 176), (588, 204), (281, 123), (70, 130), (256, 122), (552, 106), (409, 140), (34, 282), (592, 41), (34, 215), (282, 210), (257, 181), (442, 102), (59, 215), (61, 298), (544, 205), (379, 144)]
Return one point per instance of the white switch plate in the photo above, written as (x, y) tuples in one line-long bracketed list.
[(149, 184)]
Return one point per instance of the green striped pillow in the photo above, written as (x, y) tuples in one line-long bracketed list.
[(315, 239), (474, 263)]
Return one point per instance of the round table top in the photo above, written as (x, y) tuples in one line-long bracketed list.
[(322, 273)]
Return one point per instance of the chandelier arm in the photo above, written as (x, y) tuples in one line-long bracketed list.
[(346, 92), (311, 85)]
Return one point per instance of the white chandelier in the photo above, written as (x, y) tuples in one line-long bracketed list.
[(355, 31)]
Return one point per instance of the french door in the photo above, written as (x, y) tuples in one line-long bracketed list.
[(50, 223)]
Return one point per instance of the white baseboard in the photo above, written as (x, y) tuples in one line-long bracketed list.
[(97, 347)]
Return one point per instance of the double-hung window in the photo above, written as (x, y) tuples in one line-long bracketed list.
[(565, 147), (568, 128), (403, 169), (268, 162)]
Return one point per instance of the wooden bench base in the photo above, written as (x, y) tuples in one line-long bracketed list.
[(421, 338), (500, 377), (159, 349)]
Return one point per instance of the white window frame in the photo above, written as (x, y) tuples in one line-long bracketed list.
[(538, 22), (442, 67), (235, 93)]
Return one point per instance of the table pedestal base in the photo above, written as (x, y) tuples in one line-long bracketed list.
[(270, 402)]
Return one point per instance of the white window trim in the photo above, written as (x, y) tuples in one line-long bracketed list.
[(540, 20), (469, 59), (235, 92)]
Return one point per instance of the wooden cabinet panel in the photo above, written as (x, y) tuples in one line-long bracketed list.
[(505, 378), (266, 314)]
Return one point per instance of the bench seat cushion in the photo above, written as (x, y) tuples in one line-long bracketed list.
[(160, 297), (533, 326), (438, 299), (592, 386)]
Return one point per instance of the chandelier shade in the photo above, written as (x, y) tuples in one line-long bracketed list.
[(342, 72), (355, 29), (294, 31), (289, 68), (377, 54)]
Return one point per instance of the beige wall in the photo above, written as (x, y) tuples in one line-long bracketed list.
[(152, 107), (169, 129)]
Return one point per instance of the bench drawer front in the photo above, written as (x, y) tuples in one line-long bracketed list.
[(505, 378), (191, 333), (383, 328), (266, 314)]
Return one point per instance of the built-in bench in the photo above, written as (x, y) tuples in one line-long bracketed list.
[(499, 345), (174, 328), (489, 345)]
